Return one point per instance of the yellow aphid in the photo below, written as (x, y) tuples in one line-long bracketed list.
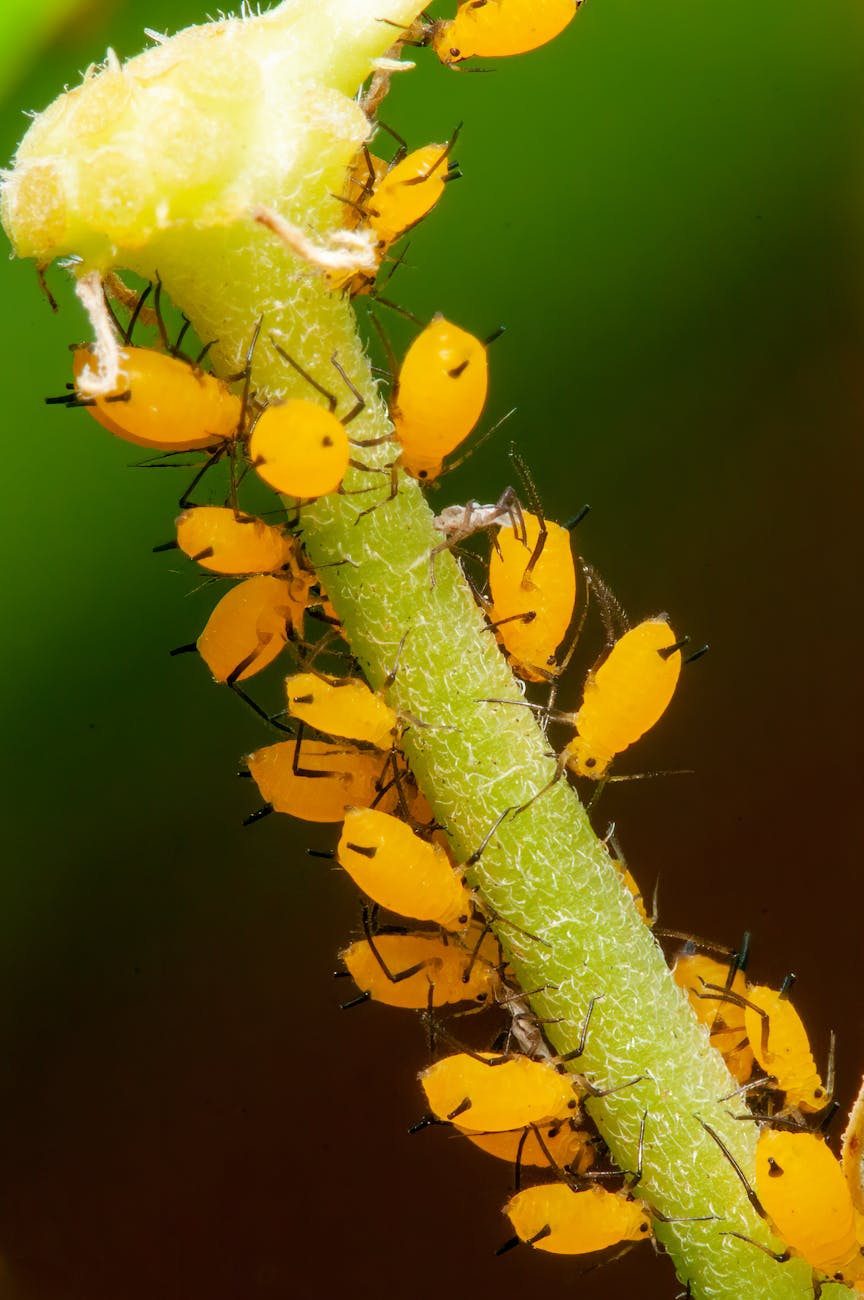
[(802, 1190), (417, 971), (344, 707), (543, 595), (364, 174), (290, 780), (852, 1151), (554, 1217), (300, 448), (224, 542), (782, 1048), (510, 1095), (401, 872), (249, 627), (439, 395), (161, 402), (567, 1145), (498, 28), (697, 974), (623, 699), (407, 192)]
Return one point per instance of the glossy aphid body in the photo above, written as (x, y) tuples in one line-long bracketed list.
[(696, 974), (499, 28), (389, 198), (236, 544), (532, 603), (781, 1046), (250, 625), (301, 448), (439, 396), (344, 707), (623, 698), (401, 872), (418, 971), (558, 1218), (801, 1187), (561, 1142), (495, 1094), (318, 781), (408, 191), (161, 401)]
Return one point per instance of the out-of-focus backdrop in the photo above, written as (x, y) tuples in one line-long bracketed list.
[(666, 207)]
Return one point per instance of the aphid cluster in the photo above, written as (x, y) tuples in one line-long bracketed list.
[(340, 759)]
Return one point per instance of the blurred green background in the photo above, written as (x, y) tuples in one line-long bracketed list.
[(666, 207)]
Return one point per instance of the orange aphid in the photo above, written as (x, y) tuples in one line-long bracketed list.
[(537, 603), (624, 698), (512, 1094), (416, 971), (300, 448), (344, 707), (408, 191), (554, 1217), (439, 395), (499, 28), (782, 1048), (289, 781), (401, 872), (249, 627), (224, 542), (162, 402), (804, 1194)]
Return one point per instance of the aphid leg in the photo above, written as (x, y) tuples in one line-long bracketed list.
[(231, 682), (399, 975), (401, 143), (475, 446), (751, 1195), (433, 167), (328, 396), (583, 1036), (534, 501), (359, 403), (185, 501), (772, 1254)]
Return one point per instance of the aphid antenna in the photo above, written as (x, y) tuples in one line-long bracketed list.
[(534, 500), (751, 1195), (565, 661), (452, 173), (772, 1254), (762, 1082), (395, 306), (387, 345), (136, 313), (160, 320), (476, 445), (615, 621)]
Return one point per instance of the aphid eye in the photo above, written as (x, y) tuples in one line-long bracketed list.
[(571, 1105), (326, 442), (590, 762), (643, 1227)]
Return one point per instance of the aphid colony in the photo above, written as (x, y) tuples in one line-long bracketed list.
[(342, 764), (340, 760)]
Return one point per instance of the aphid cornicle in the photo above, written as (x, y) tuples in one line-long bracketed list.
[(511, 1094), (235, 544), (439, 395), (344, 707), (401, 872), (162, 402), (499, 28), (557, 1218), (532, 605)]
